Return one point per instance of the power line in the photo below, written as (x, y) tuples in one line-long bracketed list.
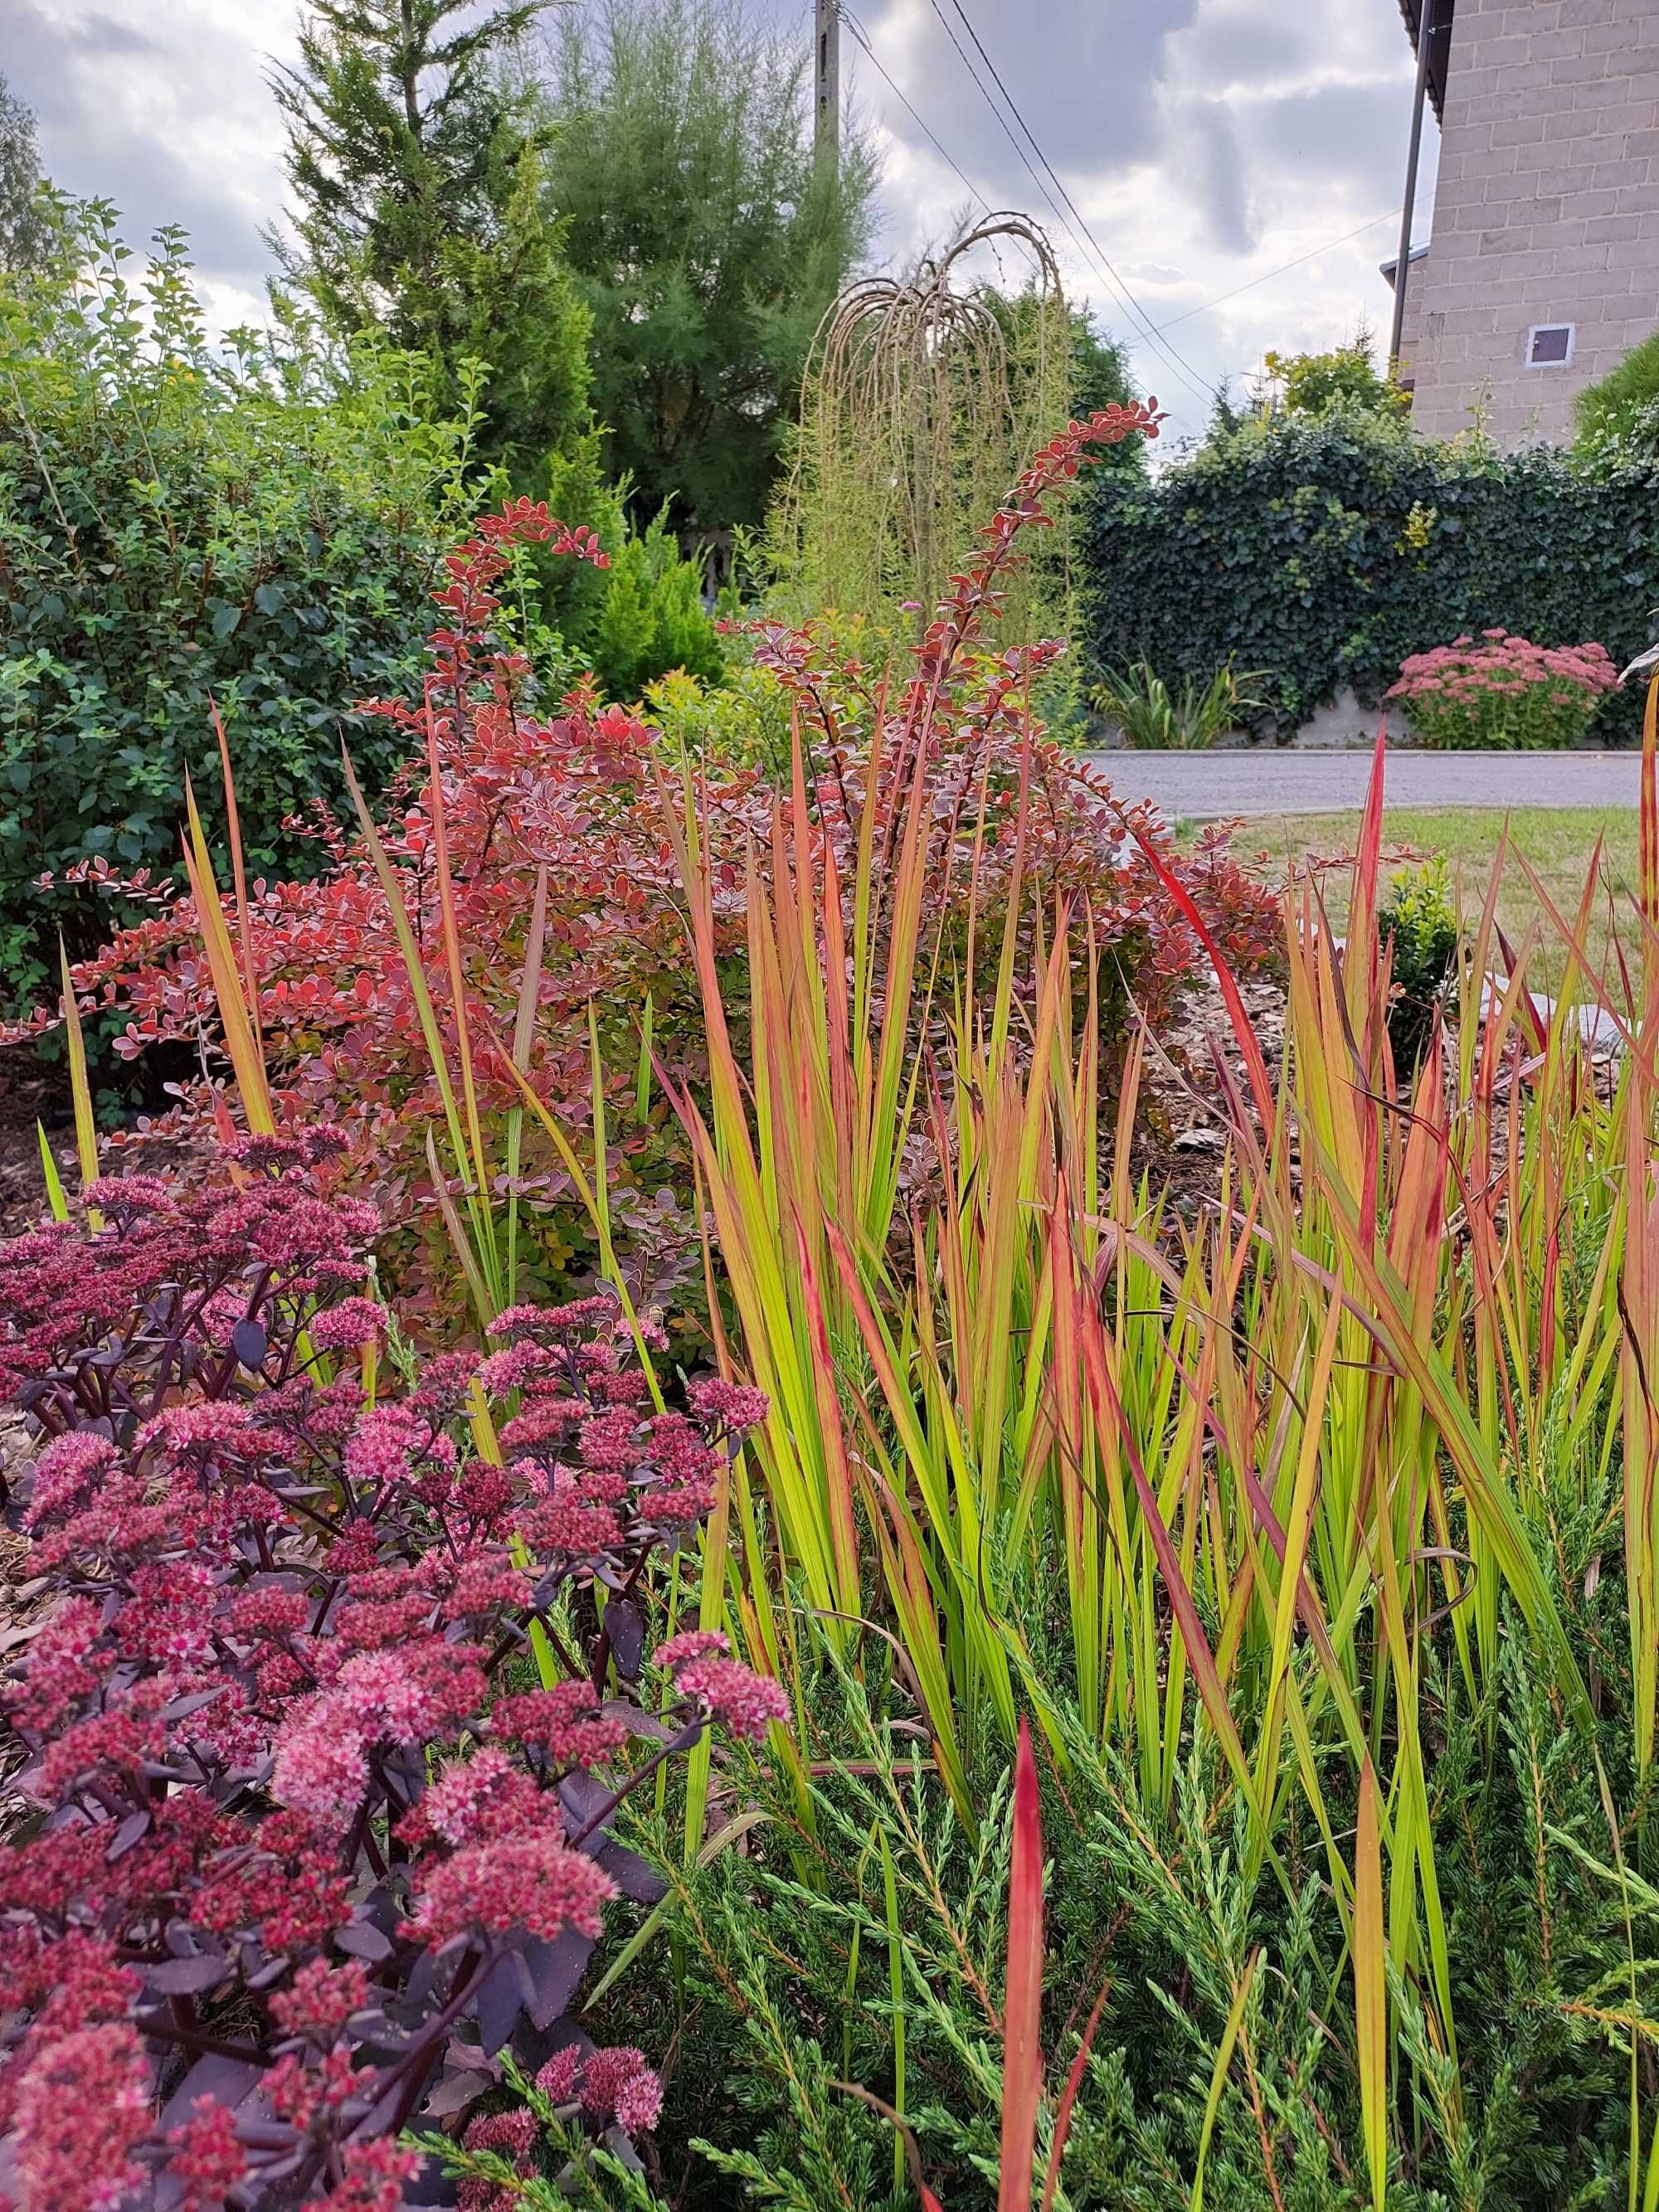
[(863, 38), (1178, 361), (1267, 277), (1154, 331), (1190, 375)]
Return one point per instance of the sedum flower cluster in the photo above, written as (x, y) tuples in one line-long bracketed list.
[(1502, 691), (327, 1700)]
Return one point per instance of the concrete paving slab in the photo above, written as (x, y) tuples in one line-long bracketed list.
[(1207, 787)]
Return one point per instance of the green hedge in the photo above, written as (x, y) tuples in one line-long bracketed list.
[(1321, 554)]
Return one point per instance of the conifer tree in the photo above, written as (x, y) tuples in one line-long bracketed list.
[(417, 204), (705, 237)]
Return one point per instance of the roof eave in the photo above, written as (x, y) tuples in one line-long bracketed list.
[(1439, 14)]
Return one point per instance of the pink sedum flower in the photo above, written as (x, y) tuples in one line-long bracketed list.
[(745, 1702), (375, 2178), (638, 2102), (510, 2135), (321, 1999), (618, 2080), (476, 1800), (532, 1881), (384, 1445), (66, 1474), (207, 2157), (354, 1322), (564, 1723), (733, 1406), (559, 2079), (691, 1643), (83, 2106), (62, 1672), (322, 1768)]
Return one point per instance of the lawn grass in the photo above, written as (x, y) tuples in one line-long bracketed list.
[(1558, 843)]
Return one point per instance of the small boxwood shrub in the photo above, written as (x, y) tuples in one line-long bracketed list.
[(1418, 919)]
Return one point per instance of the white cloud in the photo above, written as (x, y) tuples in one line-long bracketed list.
[(1207, 143), (1229, 137), (163, 109)]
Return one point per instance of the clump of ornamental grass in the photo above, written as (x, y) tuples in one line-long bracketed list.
[(1504, 692), (327, 1702)]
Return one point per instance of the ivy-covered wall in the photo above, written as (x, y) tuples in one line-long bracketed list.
[(1321, 553)]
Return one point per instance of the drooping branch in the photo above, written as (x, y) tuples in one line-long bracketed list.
[(922, 398)]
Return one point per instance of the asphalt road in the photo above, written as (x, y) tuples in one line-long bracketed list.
[(1206, 786)]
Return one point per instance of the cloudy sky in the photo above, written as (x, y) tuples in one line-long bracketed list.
[(1204, 144)]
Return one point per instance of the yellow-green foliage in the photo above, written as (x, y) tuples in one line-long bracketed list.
[(922, 400)]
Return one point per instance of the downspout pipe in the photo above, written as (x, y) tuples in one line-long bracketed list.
[(1403, 266)]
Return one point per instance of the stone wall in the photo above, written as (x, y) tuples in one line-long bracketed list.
[(1546, 211)]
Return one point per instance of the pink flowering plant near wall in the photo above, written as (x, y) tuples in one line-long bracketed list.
[(325, 1713), (1503, 693)]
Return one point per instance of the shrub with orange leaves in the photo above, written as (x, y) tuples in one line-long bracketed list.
[(577, 796)]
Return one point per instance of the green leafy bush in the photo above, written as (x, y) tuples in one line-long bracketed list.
[(1418, 917), (652, 619), (1325, 553), (1321, 384), (1622, 408), (745, 720), (258, 526)]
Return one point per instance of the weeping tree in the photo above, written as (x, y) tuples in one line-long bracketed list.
[(924, 398)]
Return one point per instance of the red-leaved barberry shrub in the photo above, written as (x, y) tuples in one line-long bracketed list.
[(327, 1701), (576, 799)]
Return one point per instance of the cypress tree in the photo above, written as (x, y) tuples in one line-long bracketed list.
[(417, 206)]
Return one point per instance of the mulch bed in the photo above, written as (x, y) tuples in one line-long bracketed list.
[(29, 1094), (34, 1095), (1180, 1128)]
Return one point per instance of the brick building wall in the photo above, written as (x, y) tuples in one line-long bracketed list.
[(1546, 214)]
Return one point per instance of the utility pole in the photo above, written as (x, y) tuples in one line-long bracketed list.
[(826, 113), (1426, 10)]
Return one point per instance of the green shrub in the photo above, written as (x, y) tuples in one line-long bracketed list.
[(1189, 717), (1345, 377), (652, 617), (1622, 409), (745, 720), (1419, 917), (258, 526), (1325, 553)]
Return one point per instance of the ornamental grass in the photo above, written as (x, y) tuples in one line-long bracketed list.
[(1151, 1704)]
